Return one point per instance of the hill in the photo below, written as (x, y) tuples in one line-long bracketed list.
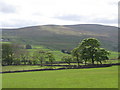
[(62, 36)]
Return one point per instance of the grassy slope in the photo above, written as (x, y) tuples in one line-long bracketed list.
[(58, 54), (77, 78), (63, 37)]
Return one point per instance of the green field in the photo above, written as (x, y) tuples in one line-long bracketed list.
[(113, 55), (74, 78), (26, 67), (58, 54)]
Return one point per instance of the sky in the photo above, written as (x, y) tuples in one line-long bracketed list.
[(22, 13)]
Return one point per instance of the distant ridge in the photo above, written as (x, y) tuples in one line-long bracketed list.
[(63, 36)]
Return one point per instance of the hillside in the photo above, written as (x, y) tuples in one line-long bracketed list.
[(62, 36)]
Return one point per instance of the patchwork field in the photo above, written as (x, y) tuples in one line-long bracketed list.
[(58, 54), (73, 78), (106, 77)]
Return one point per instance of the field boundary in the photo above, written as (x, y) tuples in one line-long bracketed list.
[(66, 67)]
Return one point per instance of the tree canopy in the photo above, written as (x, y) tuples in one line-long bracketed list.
[(89, 50)]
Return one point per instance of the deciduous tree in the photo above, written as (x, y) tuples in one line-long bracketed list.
[(67, 59), (51, 57), (90, 44), (40, 55), (76, 55)]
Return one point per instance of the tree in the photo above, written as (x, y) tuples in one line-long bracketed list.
[(85, 56), (7, 54), (50, 57), (34, 59), (76, 55), (101, 55), (40, 55), (67, 59), (17, 49), (24, 56), (91, 44), (118, 55), (89, 50)]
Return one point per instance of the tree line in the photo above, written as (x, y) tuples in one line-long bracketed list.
[(13, 54), (88, 51)]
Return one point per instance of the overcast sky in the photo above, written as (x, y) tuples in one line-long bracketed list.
[(22, 13)]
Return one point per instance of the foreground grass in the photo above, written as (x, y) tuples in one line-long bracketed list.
[(74, 78)]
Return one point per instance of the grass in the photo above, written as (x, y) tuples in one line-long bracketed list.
[(58, 54), (4, 42), (32, 67), (21, 67), (77, 78), (113, 55), (24, 67)]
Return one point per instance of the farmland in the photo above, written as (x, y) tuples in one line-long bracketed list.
[(58, 55), (68, 78), (21, 58), (74, 78)]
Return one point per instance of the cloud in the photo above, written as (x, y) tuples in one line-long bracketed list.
[(17, 23), (106, 20), (19, 13), (71, 17), (6, 8), (79, 18)]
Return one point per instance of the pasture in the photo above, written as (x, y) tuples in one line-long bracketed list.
[(26, 67), (58, 54), (106, 77), (73, 78)]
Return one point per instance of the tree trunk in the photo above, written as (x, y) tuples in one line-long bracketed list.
[(41, 63), (51, 63), (78, 61), (97, 62), (85, 62), (92, 59), (24, 62), (78, 64), (100, 62)]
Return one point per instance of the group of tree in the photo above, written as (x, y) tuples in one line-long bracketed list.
[(13, 54), (88, 51)]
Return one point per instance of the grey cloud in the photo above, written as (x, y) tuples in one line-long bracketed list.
[(87, 19), (104, 20), (71, 17), (19, 23), (7, 8)]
